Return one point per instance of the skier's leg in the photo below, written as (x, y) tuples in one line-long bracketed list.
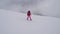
[(30, 18)]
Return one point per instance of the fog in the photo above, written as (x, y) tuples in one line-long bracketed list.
[(37, 7)]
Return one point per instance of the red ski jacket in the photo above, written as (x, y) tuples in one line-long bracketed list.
[(28, 13)]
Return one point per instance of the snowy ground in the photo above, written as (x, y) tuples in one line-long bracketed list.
[(16, 23)]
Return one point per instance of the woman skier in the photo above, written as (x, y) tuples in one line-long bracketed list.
[(29, 15)]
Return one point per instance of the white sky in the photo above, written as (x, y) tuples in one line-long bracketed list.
[(41, 7)]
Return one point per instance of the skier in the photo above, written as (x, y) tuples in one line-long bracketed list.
[(29, 15)]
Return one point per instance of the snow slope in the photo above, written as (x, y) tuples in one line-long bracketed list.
[(16, 23)]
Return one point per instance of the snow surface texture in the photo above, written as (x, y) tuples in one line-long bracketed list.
[(37, 7), (16, 23)]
